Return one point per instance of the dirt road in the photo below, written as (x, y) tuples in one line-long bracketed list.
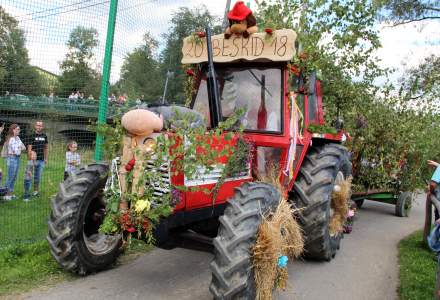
[(365, 268)]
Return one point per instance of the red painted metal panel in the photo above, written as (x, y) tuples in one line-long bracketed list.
[(199, 199)]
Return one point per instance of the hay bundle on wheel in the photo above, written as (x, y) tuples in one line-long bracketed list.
[(279, 238)]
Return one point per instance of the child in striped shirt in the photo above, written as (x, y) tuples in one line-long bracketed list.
[(73, 159)]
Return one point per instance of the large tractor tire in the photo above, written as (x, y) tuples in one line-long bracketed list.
[(403, 204), (232, 273), (77, 212), (359, 203), (312, 195)]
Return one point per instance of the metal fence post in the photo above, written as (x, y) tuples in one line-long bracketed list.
[(102, 114)]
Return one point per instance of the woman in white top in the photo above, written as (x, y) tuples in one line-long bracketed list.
[(15, 147)]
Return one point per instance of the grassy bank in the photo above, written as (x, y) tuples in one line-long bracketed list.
[(417, 269)]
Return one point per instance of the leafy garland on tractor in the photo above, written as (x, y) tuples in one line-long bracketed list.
[(191, 152)]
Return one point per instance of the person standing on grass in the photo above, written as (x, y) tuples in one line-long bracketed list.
[(15, 147), (4, 145), (73, 159), (38, 142)]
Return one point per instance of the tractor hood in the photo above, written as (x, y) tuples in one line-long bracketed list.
[(277, 46)]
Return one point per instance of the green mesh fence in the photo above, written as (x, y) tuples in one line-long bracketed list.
[(51, 70)]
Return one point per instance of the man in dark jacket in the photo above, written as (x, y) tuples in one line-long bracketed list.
[(38, 142)]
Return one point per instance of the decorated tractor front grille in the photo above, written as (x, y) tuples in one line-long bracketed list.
[(162, 186), (205, 176)]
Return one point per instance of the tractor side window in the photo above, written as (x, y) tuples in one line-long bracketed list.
[(257, 90), (202, 103), (312, 99), (294, 85)]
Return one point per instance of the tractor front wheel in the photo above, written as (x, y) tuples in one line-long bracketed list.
[(232, 272), (77, 212)]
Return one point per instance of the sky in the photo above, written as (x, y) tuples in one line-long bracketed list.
[(47, 25)]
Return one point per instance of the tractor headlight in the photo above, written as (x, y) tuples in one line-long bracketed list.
[(150, 145)]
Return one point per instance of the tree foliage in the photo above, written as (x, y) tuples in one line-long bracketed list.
[(16, 74), (184, 23), (391, 136), (77, 71), (421, 85), (140, 72), (407, 11), (336, 37)]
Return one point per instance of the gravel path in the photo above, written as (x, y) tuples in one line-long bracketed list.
[(365, 268)]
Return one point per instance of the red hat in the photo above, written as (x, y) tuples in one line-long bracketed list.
[(239, 12)]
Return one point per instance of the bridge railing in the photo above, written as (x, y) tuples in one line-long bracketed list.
[(61, 106)]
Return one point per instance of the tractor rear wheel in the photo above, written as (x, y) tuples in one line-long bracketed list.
[(77, 212), (359, 203), (312, 195), (403, 205), (232, 273)]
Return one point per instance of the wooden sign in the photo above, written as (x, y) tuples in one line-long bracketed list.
[(280, 46)]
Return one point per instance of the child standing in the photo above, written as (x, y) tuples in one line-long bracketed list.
[(73, 159), (28, 173)]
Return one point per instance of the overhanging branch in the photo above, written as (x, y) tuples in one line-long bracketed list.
[(414, 20)]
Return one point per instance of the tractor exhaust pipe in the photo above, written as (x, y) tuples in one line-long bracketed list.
[(215, 111)]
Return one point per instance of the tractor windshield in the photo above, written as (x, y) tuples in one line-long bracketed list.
[(257, 90)]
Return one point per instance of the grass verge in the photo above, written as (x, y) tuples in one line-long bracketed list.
[(27, 221), (417, 269), (28, 266)]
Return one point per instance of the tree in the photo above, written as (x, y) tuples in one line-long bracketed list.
[(337, 38), (77, 72), (421, 84), (401, 12), (140, 72), (16, 74), (184, 23), (391, 136)]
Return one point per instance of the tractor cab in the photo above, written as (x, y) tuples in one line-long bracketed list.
[(255, 75)]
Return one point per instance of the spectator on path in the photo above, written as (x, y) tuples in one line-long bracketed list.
[(38, 142), (7, 94), (73, 159), (28, 173), (14, 148), (91, 97), (2, 127), (434, 184)]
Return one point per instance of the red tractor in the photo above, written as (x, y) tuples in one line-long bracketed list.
[(253, 74)]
